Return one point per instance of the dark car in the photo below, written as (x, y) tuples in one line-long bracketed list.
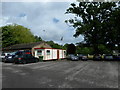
[(82, 57), (108, 57), (72, 57), (23, 52), (25, 58), (117, 57), (97, 57), (69, 56)]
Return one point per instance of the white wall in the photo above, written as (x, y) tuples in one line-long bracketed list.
[(60, 54), (51, 55), (54, 54), (48, 56)]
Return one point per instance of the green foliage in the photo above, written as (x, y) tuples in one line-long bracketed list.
[(54, 45), (71, 49), (87, 49), (103, 49), (38, 38), (84, 50), (16, 34), (97, 21), (65, 46)]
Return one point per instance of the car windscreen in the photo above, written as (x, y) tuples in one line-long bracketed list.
[(18, 53), (18, 56)]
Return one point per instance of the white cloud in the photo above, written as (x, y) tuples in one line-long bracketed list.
[(39, 17)]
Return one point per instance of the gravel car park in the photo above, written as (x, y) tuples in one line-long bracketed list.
[(61, 74)]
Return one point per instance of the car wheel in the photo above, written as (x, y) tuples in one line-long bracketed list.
[(15, 63), (37, 60)]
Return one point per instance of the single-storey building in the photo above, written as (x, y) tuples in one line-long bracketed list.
[(38, 49), (50, 53)]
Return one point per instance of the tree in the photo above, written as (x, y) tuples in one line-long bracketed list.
[(71, 49), (103, 49), (38, 38), (16, 34), (84, 48), (65, 46), (54, 45), (95, 21)]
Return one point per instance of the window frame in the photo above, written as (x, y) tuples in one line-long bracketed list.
[(39, 52), (48, 52)]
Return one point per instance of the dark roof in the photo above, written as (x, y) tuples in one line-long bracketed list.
[(23, 46)]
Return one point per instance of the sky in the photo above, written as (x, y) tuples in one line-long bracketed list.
[(44, 19)]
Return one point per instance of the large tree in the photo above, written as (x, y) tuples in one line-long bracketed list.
[(96, 21), (16, 34)]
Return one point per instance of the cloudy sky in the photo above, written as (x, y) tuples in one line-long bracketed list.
[(45, 19)]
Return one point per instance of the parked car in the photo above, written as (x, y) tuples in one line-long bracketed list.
[(90, 56), (69, 56), (9, 58), (97, 57), (117, 57), (72, 57), (103, 55), (3, 55), (108, 57), (82, 57), (23, 52), (25, 58)]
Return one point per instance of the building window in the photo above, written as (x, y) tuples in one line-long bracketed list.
[(48, 52), (39, 52)]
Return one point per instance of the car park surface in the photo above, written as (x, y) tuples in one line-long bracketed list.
[(61, 74)]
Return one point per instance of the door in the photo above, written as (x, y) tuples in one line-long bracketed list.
[(58, 54)]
